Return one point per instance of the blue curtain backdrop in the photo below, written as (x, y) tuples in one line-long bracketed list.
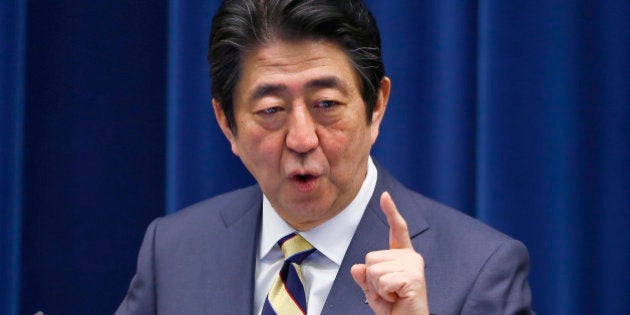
[(12, 36), (515, 112)]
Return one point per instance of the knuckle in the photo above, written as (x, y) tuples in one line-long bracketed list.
[(419, 257), (370, 258), (403, 226)]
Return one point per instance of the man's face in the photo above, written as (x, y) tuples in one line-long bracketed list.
[(302, 129)]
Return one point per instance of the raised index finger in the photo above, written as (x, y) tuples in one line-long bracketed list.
[(398, 233)]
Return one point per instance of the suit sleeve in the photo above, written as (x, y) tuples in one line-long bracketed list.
[(501, 286), (140, 298)]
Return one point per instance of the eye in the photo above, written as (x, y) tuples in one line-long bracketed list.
[(325, 104), (270, 110)]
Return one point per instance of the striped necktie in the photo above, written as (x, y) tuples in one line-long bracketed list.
[(286, 296)]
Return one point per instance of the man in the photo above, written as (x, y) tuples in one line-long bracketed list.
[(299, 91)]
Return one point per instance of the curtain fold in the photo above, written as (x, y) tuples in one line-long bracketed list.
[(608, 195), (429, 52), (528, 170), (199, 164), (12, 40), (93, 149), (515, 112), (549, 112)]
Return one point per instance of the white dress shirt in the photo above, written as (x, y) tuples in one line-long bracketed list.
[(331, 239)]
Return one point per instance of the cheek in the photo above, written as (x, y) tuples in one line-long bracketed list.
[(257, 147), (247, 135), (334, 141), (343, 145)]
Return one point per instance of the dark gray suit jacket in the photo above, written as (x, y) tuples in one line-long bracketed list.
[(201, 260)]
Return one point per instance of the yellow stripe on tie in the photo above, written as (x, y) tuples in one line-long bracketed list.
[(281, 301), (286, 295), (295, 245)]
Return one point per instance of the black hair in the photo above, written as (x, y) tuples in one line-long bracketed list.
[(242, 25)]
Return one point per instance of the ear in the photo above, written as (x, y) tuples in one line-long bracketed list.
[(379, 107), (223, 124)]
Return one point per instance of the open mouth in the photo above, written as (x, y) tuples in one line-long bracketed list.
[(304, 182), (304, 178)]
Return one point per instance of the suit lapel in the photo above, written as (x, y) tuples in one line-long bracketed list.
[(345, 296), (232, 262), (372, 234)]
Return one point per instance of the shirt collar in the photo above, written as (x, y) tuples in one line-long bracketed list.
[(342, 226)]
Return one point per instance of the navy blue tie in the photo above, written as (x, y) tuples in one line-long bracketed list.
[(286, 296)]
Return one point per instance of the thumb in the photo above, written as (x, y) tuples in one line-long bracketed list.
[(358, 274)]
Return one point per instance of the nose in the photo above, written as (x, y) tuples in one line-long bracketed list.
[(301, 133)]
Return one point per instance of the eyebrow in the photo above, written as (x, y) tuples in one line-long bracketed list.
[(328, 82), (267, 89), (320, 83)]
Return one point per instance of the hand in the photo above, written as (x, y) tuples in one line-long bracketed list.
[(393, 280)]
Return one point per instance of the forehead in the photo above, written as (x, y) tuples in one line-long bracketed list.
[(295, 64)]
